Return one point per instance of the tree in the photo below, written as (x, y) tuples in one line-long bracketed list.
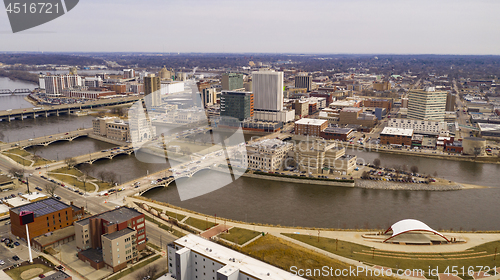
[(51, 189), (152, 270), (364, 175), (404, 167), (376, 162), (103, 175), (414, 169), (17, 172), (112, 178), (435, 174), (70, 162)]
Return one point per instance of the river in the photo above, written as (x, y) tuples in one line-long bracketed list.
[(14, 101)]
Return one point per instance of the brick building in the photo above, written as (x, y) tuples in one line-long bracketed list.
[(311, 127), (378, 103), (50, 215), (396, 136), (99, 238), (337, 133)]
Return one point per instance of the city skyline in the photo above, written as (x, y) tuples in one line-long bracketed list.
[(337, 27)]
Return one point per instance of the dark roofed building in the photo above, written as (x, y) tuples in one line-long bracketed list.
[(336, 133), (59, 275), (50, 215)]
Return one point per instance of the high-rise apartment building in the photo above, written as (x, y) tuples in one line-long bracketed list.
[(152, 86), (237, 104), (208, 97), (268, 90), (232, 81), (56, 84), (427, 104), (303, 81), (128, 73)]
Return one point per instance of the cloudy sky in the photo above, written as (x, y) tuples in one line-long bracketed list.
[(317, 26)]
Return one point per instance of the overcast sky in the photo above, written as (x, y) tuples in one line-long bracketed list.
[(317, 26)]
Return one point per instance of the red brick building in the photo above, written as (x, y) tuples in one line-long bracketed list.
[(396, 136), (50, 215), (337, 133), (311, 127)]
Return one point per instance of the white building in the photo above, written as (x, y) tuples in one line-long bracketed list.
[(268, 90), (171, 87), (428, 104), (419, 126), (193, 257), (56, 84), (281, 116), (268, 154)]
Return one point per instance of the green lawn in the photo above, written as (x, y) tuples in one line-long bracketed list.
[(239, 235), (284, 254), (20, 152), (19, 159), (179, 217), (73, 181), (199, 224), (15, 273), (477, 256), (66, 170), (41, 161), (134, 268)]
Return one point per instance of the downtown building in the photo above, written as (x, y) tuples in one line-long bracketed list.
[(304, 81), (54, 85), (193, 257), (111, 239), (112, 128), (268, 154), (152, 87), (323, 157), (237, 104), (232, 81), (267, 88), (427, 104), (419, 126)]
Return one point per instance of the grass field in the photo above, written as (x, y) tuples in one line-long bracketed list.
[(103, 185), (41, 161), (239, 235), (20, 160), (20, 152), (477, 256), (284, 254), (199, 224), (15, 273), (66, 170), (179, 217), (73, 181), (133, 268)]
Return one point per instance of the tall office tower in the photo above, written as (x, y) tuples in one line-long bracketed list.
[(427, 104), (209, 97), (128, 73), (303, 80), (450, 102), (232, 81), (268, 90), (236, 104), (152, 87)]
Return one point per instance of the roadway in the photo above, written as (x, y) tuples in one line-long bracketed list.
[(63, 136)]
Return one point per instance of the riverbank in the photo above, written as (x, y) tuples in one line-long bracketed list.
[(385, 185), (299, 180)]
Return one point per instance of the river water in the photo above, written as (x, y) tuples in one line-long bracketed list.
[(292, 204), (14, 101)]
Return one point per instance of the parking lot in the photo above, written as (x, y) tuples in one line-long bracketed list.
[(7, 253)]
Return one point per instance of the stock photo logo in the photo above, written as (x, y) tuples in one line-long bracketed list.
[(24, 15), (193, 144)]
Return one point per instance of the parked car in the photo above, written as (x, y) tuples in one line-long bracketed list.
[(16, 258), (2, 262), (17, 243), (38, 189), (41, 276)]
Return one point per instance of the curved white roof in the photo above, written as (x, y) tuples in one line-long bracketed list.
[(408, 225)]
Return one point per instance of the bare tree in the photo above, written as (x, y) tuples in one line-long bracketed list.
[(51, 189), (17, 172), (85, 168), (112, 178), (102, 175), (404, 167), (364, 175), (414, 169), (152, 270), (141, 275), (70, 162), (435, 174), (376, 162)]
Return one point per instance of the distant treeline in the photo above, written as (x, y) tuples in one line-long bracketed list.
[(50, 58), (19, 75)]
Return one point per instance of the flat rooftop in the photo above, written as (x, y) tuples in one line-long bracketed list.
[(311, 121), (5, 179), (16, 202), (55, 236), (118, 215), (42, 207), (93, 254), (338, 130), (118, 234), (244, 263), (397, 131), (34, 196)]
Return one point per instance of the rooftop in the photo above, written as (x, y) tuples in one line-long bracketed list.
[(338, 130), (93, 254), (5, 179), (118, 234), (118, 215), (42, 207), (55, 235), (311, 121), (34, 196), (244, 263), (16, 201), (59, 275), (397, 131)]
